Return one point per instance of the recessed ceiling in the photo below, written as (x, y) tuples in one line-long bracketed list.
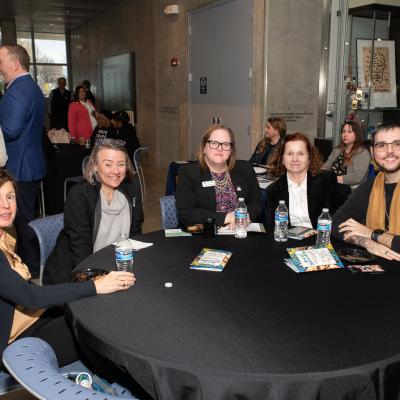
[(53, 15)]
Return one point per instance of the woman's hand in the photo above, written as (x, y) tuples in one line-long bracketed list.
[(353, 228), (230, 220), (114, 281), (339, 179)]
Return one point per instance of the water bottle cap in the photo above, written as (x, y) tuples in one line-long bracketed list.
[(281, 201), (241, 199), (325, 210)]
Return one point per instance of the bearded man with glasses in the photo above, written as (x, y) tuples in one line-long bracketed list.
[(371, 215)]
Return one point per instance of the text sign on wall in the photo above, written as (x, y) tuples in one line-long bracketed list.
[(203, 85)]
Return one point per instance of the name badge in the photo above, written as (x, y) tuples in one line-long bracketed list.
[(208, 183)]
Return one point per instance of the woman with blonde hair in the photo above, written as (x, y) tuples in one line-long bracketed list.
[(209, 187), (275, 131), (98, 210)]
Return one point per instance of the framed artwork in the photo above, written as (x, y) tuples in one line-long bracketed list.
[(383, 77)]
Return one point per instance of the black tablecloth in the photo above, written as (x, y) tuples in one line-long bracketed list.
[(65, 161), (257, 330)]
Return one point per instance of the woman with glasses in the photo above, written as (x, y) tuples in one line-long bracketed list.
[(97, 211), (274, 133), (209, 187)]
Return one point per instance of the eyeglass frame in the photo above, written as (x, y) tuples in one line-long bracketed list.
[(385, 146), (220, 144)]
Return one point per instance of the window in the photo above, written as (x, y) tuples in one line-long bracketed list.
[(49, 61)]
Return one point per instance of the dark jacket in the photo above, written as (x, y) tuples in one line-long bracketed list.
[(196, 203), (264, 157), (59, 103), (321, 192), (127, 133), (82, 214), (14, 290)]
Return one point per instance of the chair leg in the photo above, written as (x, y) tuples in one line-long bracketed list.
[(42, 206)]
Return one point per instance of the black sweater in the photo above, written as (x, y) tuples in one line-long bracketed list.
[(14, 290)]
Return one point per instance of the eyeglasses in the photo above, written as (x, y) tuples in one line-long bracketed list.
[(383, 146), (214, 144), (110, 142)]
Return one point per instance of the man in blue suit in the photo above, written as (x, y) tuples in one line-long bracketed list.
[(22, 111)]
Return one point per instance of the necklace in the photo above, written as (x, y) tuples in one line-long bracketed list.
[(221, 179)]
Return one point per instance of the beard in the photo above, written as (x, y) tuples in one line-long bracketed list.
[(389, 169)]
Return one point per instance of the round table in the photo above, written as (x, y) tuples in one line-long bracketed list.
[(256, 330)]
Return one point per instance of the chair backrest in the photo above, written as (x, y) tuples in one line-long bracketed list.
[(84, 162), (32, 362), (47, 231), (169, 216), (137, 155)]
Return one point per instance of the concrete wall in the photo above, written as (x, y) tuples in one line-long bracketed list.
[(293, 62), (290, 47)]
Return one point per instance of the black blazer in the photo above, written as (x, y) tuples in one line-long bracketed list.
[(196, 203), (16, 290), (321, 193)]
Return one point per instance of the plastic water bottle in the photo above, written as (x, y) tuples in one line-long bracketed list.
[(324, 227), (281, 222), (241, 218), (124, 254)]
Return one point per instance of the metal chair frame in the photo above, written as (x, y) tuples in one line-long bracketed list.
[(137, 155)]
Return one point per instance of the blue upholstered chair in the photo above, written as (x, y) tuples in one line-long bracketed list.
[(137, 156), (32, 362), (75, 179), (169, 216), (47, 231)]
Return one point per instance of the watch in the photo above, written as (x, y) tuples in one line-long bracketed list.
[(376, 233)]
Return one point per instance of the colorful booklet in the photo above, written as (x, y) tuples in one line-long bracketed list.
[(252, 227), (313, 258), (300, 232), (211, 260)]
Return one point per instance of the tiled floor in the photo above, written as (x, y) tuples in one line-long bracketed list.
[(155, 188)]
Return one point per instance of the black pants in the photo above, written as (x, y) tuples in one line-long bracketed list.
[(53, 328), (27, 243)]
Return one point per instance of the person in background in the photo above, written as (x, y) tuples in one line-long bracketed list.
[(29, 310), (22, 111), (208, 188), (59, 100), (349, 161), (125, 131), (98, 210), (104, 128), (370, 217), (275, 131), (81, 116), (89, 95), (304, 187)]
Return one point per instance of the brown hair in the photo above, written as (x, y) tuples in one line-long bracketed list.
[(278, 124), (17, 52), (358, 144), (5, 177), (119, 145), (277, 167), (76, 92), (200, 155)]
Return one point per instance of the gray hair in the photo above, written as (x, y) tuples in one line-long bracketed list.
[(112, 144)]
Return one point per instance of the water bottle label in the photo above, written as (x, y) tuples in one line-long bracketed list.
[(123, 255), (281, 217), (324, 226), (240, 214)]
